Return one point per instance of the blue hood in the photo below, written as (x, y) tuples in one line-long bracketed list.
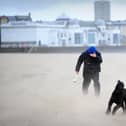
[(91, 49)]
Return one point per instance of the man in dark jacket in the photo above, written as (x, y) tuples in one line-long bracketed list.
[(92, 60)]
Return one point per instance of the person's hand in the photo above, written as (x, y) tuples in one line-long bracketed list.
[(76, 77), (93, 55)]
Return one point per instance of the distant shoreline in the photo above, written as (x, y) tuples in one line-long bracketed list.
[(61, 49)]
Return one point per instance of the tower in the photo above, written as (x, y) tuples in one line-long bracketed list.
[(102, 10)]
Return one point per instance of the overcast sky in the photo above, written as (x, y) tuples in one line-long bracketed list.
[(51, 9)]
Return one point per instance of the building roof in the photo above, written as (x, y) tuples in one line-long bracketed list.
[(23, 17), (19, 17), (63, 17), (116, 23), (87, 23)]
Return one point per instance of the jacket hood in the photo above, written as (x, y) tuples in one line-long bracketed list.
[(91, 49)]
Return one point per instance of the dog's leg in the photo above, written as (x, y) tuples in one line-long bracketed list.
[(115, 109), (124, 106), (109, 106)]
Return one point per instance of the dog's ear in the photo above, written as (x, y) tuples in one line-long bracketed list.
[(118, 81)]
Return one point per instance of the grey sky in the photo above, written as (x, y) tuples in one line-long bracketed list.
[(51, 9), (37, 4)]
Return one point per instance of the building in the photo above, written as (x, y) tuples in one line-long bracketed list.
[(102, 10), (62, 32)]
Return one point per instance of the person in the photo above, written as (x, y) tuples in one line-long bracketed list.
[(92, 60)]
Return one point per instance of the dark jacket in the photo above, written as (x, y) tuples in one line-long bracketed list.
[(91, 64)]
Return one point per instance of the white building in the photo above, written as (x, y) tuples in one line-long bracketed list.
[(62, 32)]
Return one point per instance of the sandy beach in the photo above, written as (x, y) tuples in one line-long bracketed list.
[(38, 90)]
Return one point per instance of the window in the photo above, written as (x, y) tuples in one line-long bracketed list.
[(78, 38), (91, 37), (116, 38)]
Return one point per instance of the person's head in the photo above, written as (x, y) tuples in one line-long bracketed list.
[(91, 50)]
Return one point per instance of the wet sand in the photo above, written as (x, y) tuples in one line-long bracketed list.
[(38, 90)]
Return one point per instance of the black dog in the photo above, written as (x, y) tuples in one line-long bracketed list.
[(118, 97)]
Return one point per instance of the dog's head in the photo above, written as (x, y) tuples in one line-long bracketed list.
[(119, 85)]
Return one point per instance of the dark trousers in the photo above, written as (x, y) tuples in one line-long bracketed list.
[(87, 77)]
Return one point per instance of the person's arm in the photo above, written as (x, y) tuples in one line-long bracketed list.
[(79, 62), (97, 56)]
